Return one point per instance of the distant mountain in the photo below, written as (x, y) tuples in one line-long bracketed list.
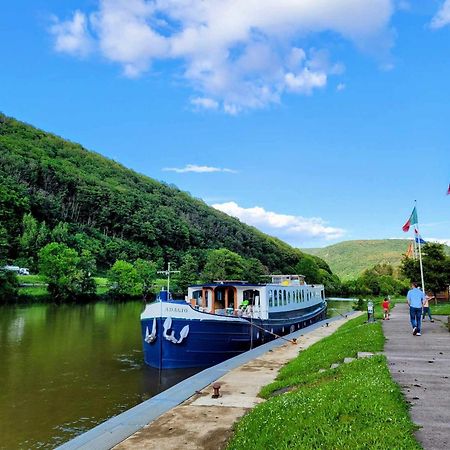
[(348, 259)]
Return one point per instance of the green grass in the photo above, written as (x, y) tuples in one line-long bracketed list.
[(30, 279), (352, 337), (356, 405), (38, 292), (440, 309)]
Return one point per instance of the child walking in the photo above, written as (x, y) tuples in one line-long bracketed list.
[(426, 308), (386, 307)]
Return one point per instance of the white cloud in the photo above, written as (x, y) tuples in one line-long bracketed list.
[(340, 87), (198, 169), (439, 240), (442, 17), (293, 229), (204, 103), (72, 36), (237, 54), (305, 81)]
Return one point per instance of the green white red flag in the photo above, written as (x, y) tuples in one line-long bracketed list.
[(411, 221)]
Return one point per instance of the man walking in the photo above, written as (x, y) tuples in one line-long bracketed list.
[(415, 299)]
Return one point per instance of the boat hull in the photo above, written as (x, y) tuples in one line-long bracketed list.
[(194, 339)]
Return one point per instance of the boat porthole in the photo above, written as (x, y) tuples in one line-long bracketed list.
[(292, 328), (271, 330), (282, 330), (257, 335)]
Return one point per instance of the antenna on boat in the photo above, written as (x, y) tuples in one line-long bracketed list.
[(168, 272)]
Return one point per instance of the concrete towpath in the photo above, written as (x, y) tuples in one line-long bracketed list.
[(202, 422), (421, 366)]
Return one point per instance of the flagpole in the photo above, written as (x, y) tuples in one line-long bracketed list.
[(420, 250)]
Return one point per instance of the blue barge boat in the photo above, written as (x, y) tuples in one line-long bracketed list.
[(220, 320)]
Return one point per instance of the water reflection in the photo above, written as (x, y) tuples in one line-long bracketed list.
[(339, 307), (66, 368)]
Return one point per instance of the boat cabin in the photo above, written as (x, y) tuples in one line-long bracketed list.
[(283, 294)]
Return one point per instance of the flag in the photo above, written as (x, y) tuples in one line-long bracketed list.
[(448, 190), (410, 252), (411, 221), (417, 237)]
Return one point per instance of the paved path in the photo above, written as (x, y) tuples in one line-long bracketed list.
[(205, 423), (421, 366)]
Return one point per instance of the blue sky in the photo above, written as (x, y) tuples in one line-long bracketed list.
[(330, 118)]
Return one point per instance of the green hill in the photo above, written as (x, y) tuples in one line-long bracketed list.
[(93, 203), (348, 259)]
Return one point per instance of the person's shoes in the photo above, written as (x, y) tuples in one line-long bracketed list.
[(432, 321), (418, 333), (414, 331)]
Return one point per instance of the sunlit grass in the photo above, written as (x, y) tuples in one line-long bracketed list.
[(30, 279), (356, 405), (352, 337), (441, 309)]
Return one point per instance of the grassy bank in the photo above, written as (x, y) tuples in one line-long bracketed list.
[(353, 406), (33, 289), (441, 309)]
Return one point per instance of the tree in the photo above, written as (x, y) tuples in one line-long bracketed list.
[(68, 275), (188, 273), (35, 236), (308, 267), (254, 270), (331, 282), (146, 273), (61, 233), (436, 268), (223, 264), (4, 245), (8, 286), (123, 279)]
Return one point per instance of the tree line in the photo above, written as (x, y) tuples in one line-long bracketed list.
[(53, 190)]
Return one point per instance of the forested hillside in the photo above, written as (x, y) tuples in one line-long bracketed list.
[(55, 190), (350, 258)]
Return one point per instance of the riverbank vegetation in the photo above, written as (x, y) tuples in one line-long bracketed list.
[(310, 405)]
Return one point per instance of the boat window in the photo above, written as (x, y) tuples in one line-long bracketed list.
[(302, 295), (275, 298), (280, 296), (289, 297), (284, 297), (270, 298)]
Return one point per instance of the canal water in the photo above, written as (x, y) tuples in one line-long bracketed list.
[(65, 369)]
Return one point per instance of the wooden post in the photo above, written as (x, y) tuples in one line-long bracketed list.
[(226, 299), (213, 301), (203, 298)]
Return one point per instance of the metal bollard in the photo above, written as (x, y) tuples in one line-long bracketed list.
[(370, 312), (216, 387)]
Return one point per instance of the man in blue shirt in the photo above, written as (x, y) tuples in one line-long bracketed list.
[(415, 299)]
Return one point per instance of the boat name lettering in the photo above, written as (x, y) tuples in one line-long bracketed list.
[(175, 309)]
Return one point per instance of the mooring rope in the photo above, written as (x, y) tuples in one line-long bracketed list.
[(292, 341), (334, 309)]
